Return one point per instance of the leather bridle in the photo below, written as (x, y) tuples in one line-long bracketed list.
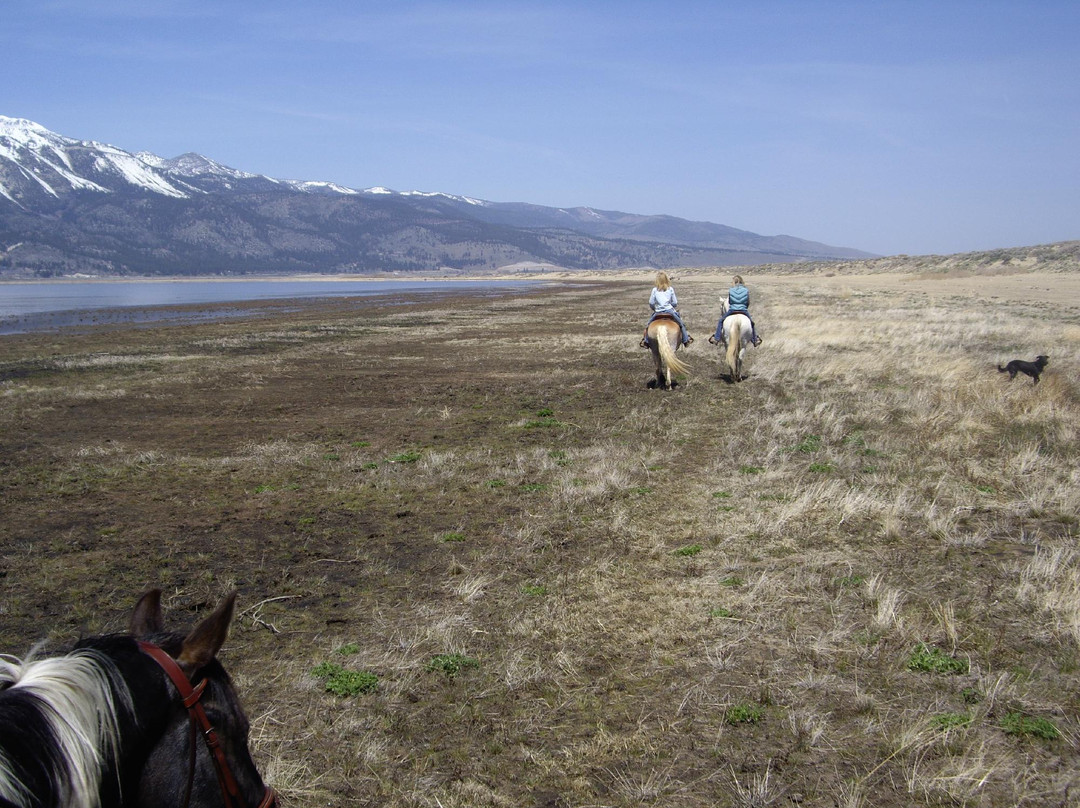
[(230, 791)]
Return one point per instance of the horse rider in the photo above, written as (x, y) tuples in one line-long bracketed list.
[(664, 303), (738, 303)]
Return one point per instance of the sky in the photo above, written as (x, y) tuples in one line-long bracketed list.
[(890, 126)]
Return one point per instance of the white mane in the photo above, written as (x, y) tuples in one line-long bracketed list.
[(75, 693)]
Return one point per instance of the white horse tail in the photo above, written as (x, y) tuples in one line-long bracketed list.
[(734, 345), (667, 353)]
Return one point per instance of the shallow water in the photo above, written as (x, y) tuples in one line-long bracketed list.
[(44, 306)]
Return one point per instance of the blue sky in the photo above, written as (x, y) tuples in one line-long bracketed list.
[(889, 126)]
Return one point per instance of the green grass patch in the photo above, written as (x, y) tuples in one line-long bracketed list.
[(849, 581), (822, 468), (349, 649), (751, 470), (534, 590), (744, 714), (933, 660), (453, 536), (733, 581), (948, 721), (342, 682), (1017, 723), (410, 456), (560, 457), (451, 664), (689, 550), (721, 494), (811, 443), (774, 498), (721, 612)]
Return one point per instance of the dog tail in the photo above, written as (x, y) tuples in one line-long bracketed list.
[(1002, 370)]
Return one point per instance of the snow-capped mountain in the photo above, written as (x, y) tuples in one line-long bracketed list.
[(36, 161), (43, 162), (82, 206)]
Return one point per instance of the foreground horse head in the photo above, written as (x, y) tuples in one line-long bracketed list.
[(665, 336), (737, 333), (147, 719)]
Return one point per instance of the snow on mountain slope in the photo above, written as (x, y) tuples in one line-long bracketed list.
[(36, 160)]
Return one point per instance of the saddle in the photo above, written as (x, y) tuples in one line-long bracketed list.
[(664, 316)]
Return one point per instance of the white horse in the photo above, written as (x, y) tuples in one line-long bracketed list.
[(738, 331)]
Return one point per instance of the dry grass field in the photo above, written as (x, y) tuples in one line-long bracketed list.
[(481, 564)]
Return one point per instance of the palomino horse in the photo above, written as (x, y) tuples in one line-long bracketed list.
[(665, 336), (738, 332), (117, 721)]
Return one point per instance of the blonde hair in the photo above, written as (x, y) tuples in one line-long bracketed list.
[(737, 279), (662, 281)]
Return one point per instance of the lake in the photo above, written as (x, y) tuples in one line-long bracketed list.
[(43, 306)]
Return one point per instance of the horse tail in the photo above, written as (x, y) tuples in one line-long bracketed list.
[(734, 343), (667, 353)]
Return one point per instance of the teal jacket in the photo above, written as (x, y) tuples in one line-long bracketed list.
[(738, 298)]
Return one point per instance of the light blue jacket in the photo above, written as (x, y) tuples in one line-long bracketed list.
[(663, 302), (738, 298)]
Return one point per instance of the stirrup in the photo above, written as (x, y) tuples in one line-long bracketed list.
[(712, 341)]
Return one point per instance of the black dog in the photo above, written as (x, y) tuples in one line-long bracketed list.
[(1032, 369)]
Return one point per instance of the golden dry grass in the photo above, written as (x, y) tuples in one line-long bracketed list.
[(705, 597)]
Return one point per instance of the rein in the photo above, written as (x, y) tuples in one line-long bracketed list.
[(190, 696)]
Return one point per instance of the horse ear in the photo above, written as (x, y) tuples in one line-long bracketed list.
[(146, 619), (206, 639)]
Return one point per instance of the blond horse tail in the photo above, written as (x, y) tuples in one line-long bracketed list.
[(667, 353), (734, 345)]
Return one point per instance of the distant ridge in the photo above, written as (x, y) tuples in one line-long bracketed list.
[(71, 206), (1059, 257)]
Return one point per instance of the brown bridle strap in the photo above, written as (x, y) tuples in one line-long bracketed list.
[(190, 696)]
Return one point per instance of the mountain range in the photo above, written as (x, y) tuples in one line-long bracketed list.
[(76, 207)]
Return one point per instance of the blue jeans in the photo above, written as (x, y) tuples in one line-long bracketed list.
[(674, 315)]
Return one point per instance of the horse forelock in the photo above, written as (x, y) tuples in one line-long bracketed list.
[(67, 711)]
